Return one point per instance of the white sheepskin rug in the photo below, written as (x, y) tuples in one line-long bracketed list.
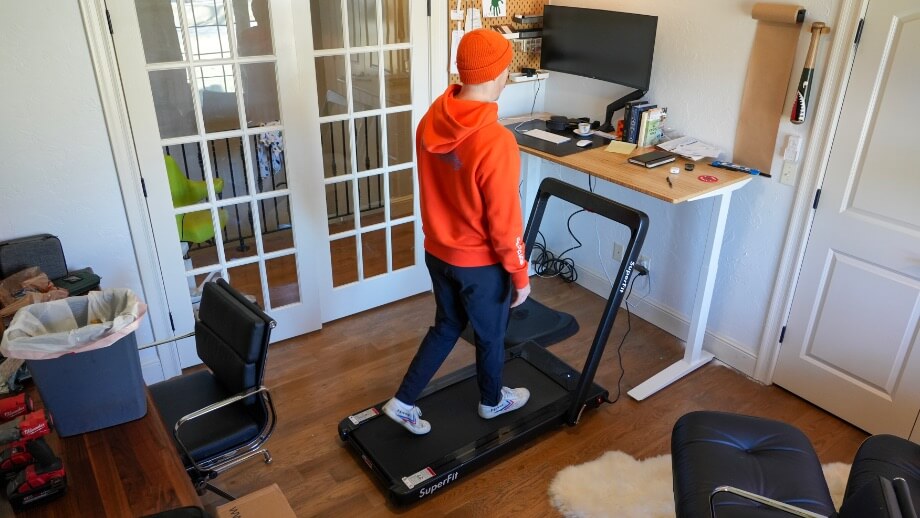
[(617, 485)]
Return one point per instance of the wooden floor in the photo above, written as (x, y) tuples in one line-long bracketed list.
[(318, 379)]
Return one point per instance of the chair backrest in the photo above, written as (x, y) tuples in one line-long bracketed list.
[(179, 185), (232, 337), (183, 190)]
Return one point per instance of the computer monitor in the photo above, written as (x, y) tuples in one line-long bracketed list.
[(607, 45)]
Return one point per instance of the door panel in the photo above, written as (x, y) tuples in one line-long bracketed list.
[(852, 344), (212, 98), (368, 61)]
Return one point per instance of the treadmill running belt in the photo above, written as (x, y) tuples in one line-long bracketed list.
[(455, 422)]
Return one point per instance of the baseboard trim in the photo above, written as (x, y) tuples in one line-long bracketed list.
[(726, 350), (151, 368)]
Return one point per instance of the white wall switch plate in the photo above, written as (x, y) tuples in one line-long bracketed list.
[(787, 177)]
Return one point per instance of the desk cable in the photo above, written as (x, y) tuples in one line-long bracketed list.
[(534, 103), (547, 264), (640, 271)]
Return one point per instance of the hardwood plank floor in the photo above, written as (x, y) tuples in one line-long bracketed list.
[(318, 379)]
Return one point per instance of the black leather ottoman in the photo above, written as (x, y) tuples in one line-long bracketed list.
[(766, 457)]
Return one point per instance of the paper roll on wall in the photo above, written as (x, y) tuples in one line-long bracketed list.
[(768, 74), (778, 13)]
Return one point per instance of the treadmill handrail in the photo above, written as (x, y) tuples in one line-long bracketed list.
[(637, 223)]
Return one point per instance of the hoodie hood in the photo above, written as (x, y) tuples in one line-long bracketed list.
[(451, 120)]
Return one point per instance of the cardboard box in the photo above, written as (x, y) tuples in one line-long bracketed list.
[(268, 502)]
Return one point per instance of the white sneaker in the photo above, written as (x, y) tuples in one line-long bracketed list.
[(512, 399), (408, 416)]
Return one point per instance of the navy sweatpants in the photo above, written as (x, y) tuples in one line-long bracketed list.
[(480, 295)]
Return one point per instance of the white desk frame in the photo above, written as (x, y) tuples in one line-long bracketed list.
[(694, 355)]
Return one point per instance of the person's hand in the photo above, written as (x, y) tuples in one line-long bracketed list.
[(520, 295)]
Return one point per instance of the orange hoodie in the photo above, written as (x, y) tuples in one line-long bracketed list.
[(469, 169)]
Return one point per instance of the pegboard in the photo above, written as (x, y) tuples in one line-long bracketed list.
[(523, 56)]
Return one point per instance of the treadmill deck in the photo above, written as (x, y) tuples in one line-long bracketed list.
[(459, 438)]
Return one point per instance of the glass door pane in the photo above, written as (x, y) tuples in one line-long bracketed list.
[(363, 57), (214, 74)]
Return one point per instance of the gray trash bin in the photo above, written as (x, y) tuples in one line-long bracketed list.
[(89, 389)]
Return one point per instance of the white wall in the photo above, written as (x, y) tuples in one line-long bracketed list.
[(522, 98), (700, 62), (58, 175)]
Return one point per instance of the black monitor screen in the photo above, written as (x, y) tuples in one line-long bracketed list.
[(606, 45)]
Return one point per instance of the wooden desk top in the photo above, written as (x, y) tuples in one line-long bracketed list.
[(613, 167), (127, 470)]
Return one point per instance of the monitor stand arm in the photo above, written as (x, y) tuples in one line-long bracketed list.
[(618, 105)]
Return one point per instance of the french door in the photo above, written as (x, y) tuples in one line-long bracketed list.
[(368, 63), (275, 155)]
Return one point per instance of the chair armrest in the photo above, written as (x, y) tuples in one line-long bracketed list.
[(261, 390), (166, 341), (905, 502), (754, 497)]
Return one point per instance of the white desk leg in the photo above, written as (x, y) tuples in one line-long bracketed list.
[(530, 185), (694, 355), (530, 182)]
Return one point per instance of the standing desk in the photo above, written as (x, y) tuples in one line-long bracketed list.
[(614, 168)]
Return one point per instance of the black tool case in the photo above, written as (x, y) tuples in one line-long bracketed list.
[(46, 252)]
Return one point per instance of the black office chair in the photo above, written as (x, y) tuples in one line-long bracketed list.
[(222, 416), (729, 465)]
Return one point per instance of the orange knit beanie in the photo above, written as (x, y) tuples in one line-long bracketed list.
[(482, 55)]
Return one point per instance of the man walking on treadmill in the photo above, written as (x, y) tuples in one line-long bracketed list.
[(469, 169)]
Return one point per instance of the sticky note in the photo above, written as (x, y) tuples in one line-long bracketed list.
[(624, 148)]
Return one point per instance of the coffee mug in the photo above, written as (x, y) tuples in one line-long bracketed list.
[(584, 127)]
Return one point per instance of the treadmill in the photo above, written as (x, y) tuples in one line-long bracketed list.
[(412, 467)]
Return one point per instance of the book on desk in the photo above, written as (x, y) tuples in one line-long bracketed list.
[(652, 158)]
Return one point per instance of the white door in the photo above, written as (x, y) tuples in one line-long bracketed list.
[(367, 67), (852, 343), (211, 92), (300, 200)]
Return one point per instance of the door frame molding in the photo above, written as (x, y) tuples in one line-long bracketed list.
[(814, 169), (118, 126), (438, 55)]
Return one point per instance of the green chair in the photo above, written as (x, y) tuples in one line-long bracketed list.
[(194, 227)]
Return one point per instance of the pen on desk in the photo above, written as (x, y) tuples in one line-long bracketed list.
[(670, 184)]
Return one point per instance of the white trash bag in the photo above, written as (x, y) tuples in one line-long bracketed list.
[(76, 324)]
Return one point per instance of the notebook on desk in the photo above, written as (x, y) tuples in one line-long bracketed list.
[(540, 142), (652, 158)]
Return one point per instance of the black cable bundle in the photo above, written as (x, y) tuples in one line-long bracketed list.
[(547, 264)]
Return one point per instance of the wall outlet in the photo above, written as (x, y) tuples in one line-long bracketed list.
[(787, 177), (617, 252), (645, 261)]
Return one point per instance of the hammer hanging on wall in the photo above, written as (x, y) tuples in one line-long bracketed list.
[(802, 95)]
